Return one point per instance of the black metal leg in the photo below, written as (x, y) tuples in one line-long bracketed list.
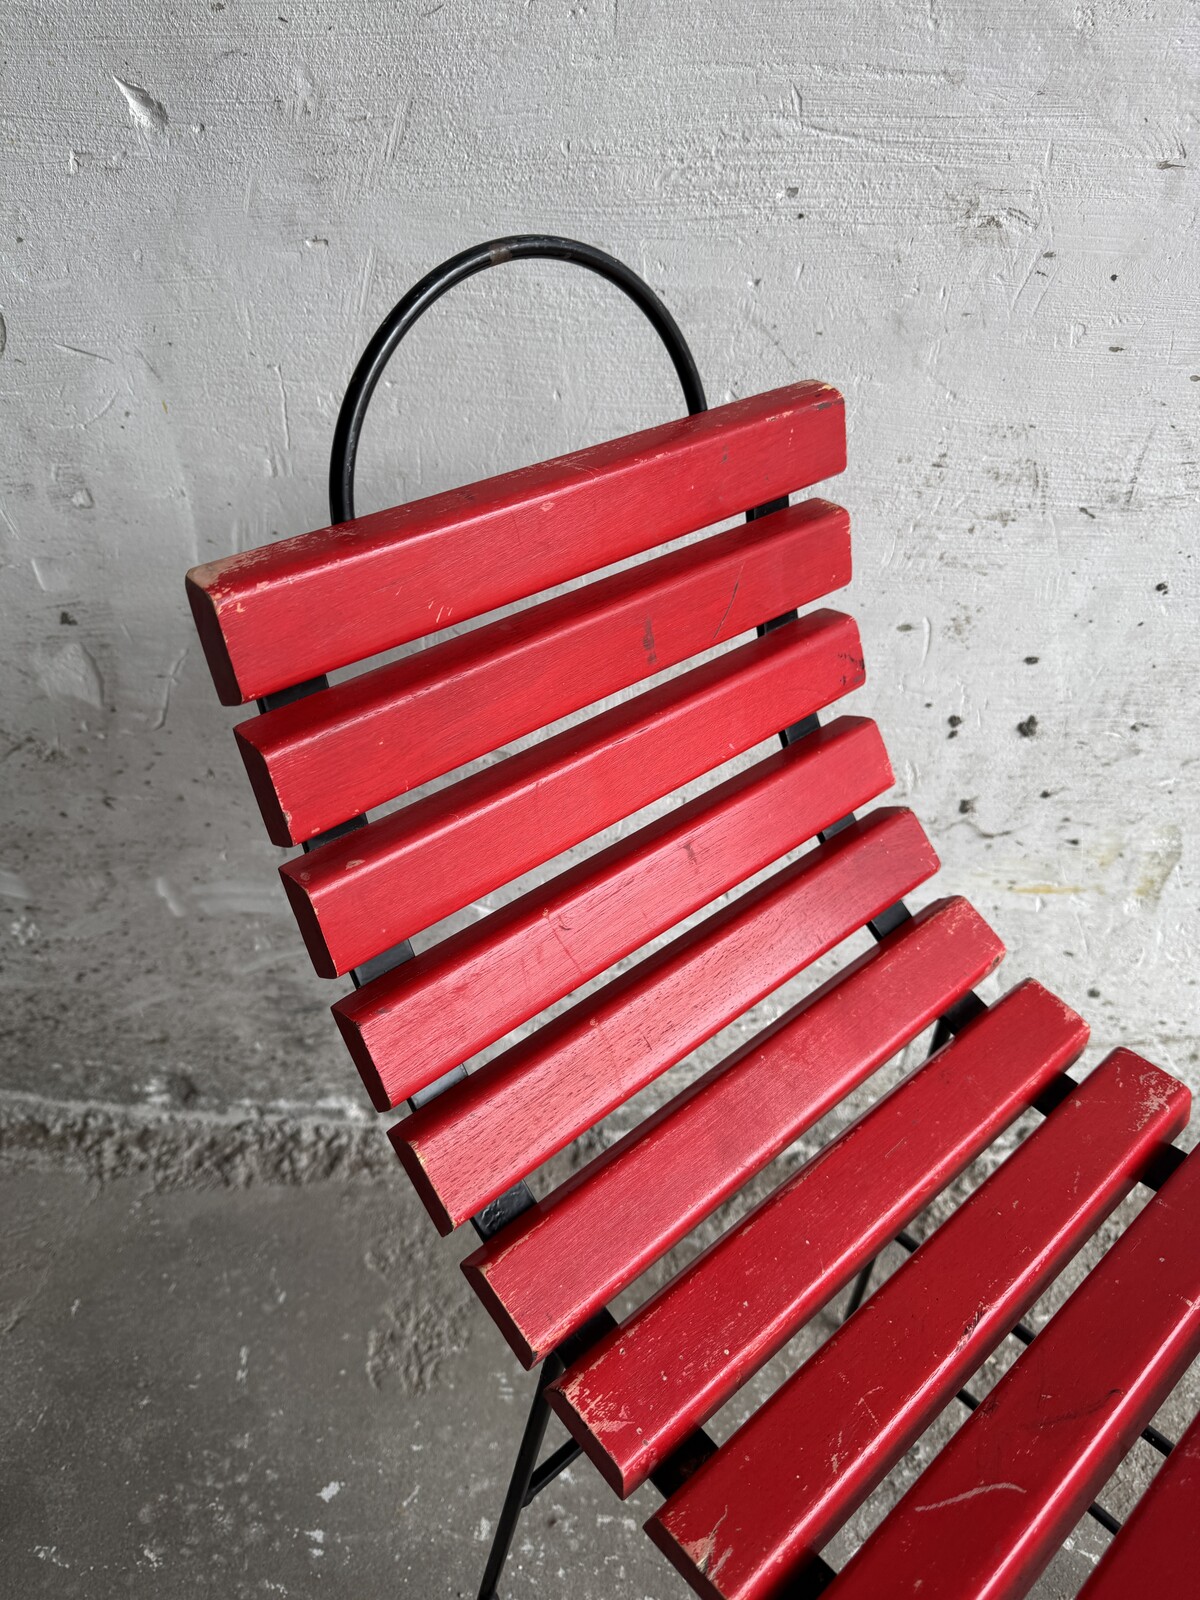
[(518, 1488), (858, 1293)]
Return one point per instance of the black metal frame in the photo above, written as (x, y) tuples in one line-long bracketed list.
[(529, 1478)]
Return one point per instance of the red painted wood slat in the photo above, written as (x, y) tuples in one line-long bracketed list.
[(987, 1515), (1157, 1552), (335, 754), (639, 1393), (467, 1146), (557, 1265), (411, 1025), (736, 1530), (272, 617), (366, 891)]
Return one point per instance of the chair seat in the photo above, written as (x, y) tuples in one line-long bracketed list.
[(741, 1528), (669, 1366), (642, 874)]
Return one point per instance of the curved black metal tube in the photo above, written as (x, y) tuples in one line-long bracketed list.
[(414, 305)]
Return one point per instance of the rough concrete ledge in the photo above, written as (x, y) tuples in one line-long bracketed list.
[(176, 1149)]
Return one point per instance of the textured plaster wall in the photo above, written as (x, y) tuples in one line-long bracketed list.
[(979, 221)]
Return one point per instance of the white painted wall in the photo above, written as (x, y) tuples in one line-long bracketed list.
[(979, 221)]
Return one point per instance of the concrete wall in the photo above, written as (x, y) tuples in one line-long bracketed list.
[(978, 221)]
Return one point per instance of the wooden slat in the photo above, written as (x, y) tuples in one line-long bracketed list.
[(558, 1264), (370, 889), (275, 616), (411, 1025), (1157, 1552), (987, 1516), (338, 753), (739, 1530), (471, 1143)]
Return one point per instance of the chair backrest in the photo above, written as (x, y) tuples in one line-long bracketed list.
[(716, 623), (290, 612)]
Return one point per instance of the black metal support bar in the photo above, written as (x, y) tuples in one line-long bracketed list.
[(812, 1581), (550, 1469), (1158, 1441), (524, 1468), (675, 1471)]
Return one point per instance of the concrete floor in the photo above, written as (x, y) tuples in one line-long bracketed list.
[(280, 1390), (259, 1372)]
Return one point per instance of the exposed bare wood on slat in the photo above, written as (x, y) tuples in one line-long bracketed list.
[(340, 752), (986, 1517), (275, 616), (480, 1136), (367, 891), (560, 1262), (856, 1406), (408, 1027), (1157, 1552)]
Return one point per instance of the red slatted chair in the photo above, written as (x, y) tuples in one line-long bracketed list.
[(747, 1520)]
